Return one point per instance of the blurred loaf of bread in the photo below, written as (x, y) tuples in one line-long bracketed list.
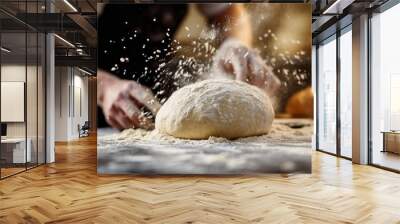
[(300, 105)]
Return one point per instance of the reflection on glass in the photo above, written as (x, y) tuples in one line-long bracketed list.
[(327, 96), (22, 91), (385, 84), (346, 94)]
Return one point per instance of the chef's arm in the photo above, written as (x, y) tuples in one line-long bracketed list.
[(235, 56), (122, 101), (231, 20)]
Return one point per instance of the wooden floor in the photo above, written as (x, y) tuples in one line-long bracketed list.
[(387, 159), (10, 171), (70, 191)]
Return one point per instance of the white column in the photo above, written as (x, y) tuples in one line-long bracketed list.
[(50, 98), (50, 92), (360, 90)]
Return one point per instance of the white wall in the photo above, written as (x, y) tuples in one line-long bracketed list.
[(70, 84), (12, 73), (33, 126), (61, 103)]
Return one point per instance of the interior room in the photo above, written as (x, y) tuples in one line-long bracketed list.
[(22, 99), (27, 60), (335, 83), (49, 106)]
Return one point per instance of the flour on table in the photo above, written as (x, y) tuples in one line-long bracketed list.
[(286, 148), (280, 131)]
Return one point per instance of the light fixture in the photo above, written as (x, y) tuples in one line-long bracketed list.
[(5, 50), (337, 7), (84, 71), (70, 5), (64, 40)]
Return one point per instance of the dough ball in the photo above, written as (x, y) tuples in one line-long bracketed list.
[(216, 107)]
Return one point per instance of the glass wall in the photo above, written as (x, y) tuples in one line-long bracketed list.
[(345, 58), (326, 81), (334, 94), (385, 89), (22, 93), (13, 93)]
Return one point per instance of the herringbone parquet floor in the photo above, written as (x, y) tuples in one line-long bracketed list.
[(70, 191)]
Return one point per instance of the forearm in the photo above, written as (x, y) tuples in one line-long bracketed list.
[(103, 79), (237, 25)]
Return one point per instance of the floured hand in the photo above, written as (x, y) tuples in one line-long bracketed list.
[(123, 102), (235, 60)]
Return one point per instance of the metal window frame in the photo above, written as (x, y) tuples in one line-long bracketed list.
[(339, 32), (44, 74)]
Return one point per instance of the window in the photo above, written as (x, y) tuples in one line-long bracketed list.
[(327, 96), (385, 89), (346, 93)]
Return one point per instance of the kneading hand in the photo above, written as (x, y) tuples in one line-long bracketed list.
[(235, 60), (123, 102)]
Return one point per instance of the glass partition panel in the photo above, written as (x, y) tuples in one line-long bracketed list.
[(32, 97), (22, 66), (327, 96), (346, 94), (15, 150)]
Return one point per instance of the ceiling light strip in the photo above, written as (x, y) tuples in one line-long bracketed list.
[(5, 50), (64, 40), (70, 5), (337, 7), (84, 71)]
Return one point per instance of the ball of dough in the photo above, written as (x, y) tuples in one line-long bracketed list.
[(216, 107)]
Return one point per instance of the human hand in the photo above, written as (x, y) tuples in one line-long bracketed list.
[(235, 60), (124, 102)]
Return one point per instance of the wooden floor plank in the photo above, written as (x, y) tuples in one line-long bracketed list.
[(70, 191)]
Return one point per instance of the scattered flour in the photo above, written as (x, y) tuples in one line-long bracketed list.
[(281, 130), (136, 151)]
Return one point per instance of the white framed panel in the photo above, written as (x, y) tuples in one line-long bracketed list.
[(12, 101)]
